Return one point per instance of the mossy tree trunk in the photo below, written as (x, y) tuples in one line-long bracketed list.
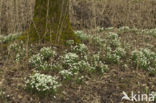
[(51, 22)]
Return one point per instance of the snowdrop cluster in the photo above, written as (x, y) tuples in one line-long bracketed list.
[(112, 58), (102, 67), (10, 37), (120, 52), (36, 60), (81, 65), (42, 83), (70, 58), (74, 63), (128, 29), (13, 47), (80, 49), (110, 28), (115, 56), (67, 74), (39, 64), (113, 40), (99, 41), (47, 52), (82, 36), (17, 51), (71, 66), (124, 29), (144, 58), (151, 32), (70, 42), (97, 64), (114, 51), (70, 61), (40, 60), (84, 65)]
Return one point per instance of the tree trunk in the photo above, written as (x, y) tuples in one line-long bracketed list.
[(51, 22)]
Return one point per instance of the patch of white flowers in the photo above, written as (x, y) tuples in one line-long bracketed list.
[(128, 29), (97, 64), (70, 42), (151, 32), (40, 60), (36, 60), (17, 51), (74, 64), (102, 67), (84, 65), (67, 74), (120, 52), (42, 83), (82, 36), (114, 56), (10, 37), (80, 49), (70, 58), (114, 51), (109, 28), (99, 41), (111, 56), (113, 39), (47, 52), (70, 61), (13, 47), (124, 29), (144, 58)]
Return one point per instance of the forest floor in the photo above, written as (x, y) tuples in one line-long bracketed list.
[(125, 73)]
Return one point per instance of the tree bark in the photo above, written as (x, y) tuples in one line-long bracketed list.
[(51, 22)]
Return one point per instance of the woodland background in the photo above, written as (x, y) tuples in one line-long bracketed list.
[(16, 15)]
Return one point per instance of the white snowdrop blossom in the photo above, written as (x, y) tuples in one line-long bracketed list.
[(42, 83), (17, 51), (80, 49), (113, 39), (124, 29), (114, 56), (99, 41), (70, 58), (120, 51), (67, 74), (109, 28), (144, 58), (36, 60), (47, 52), (10, 37), (82, 36)]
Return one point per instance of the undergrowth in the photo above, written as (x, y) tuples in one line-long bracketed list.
[(52, 68)]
